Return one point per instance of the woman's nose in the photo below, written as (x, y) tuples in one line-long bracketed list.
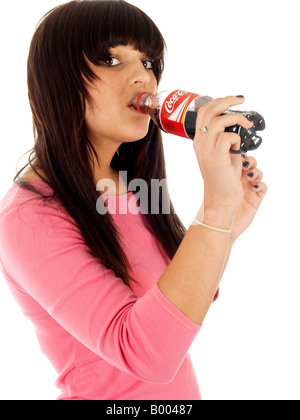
[(139, 74)]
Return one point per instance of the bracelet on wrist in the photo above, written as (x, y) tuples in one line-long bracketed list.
[(211, 227)]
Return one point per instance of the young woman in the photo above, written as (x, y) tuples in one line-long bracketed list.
[(116, 298)]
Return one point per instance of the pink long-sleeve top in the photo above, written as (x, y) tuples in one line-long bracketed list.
[(106, 341)]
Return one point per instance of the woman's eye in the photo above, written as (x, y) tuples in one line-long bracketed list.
[(111, 62), (148, 64)]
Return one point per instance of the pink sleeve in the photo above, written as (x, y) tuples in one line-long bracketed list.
[(46, 257)]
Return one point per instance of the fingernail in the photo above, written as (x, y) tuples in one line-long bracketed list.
[(240, 96), (251, 175), (246, 165), (256, 187), (244, 156)]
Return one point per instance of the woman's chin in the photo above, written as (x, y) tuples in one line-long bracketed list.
[(135, 134)]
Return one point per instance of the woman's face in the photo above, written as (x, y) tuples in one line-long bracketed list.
[(110, 118)]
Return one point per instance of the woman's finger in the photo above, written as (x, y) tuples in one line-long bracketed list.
[(261, 189), (217, 127), (249, 163), (216, 108), (219, 124), (254, 176), (227, 141)]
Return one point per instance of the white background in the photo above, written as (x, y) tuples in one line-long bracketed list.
[(249, 346)]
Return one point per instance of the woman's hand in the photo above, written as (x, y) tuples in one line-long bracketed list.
[(229, 193), (221, 170), (254, 193)]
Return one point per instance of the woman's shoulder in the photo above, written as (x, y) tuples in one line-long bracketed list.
[(27, 219), (30, 197), (34, 175)]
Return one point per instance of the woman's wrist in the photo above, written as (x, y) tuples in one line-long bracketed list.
[(220, 218)]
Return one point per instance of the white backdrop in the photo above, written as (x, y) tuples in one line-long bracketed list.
[(249, 345)]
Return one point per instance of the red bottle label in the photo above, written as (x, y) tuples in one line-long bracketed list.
[(173, 112)]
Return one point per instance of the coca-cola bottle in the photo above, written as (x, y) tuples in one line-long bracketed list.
[(175, 112)]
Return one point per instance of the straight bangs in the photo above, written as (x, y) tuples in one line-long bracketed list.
[(117, 22)]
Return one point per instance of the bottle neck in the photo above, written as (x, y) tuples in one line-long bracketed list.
[(145, 101)]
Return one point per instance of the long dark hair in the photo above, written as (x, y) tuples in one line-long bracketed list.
[(57, 66)]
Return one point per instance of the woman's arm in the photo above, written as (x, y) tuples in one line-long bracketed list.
[(230, 202), (192, 278)]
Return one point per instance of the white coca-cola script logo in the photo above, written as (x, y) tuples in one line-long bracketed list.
[(170, 104)]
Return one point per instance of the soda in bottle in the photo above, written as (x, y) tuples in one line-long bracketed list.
[(175, 112)]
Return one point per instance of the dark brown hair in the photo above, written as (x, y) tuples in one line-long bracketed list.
[(57, 66)]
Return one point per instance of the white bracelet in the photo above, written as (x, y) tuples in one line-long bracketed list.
[(211, 227)]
